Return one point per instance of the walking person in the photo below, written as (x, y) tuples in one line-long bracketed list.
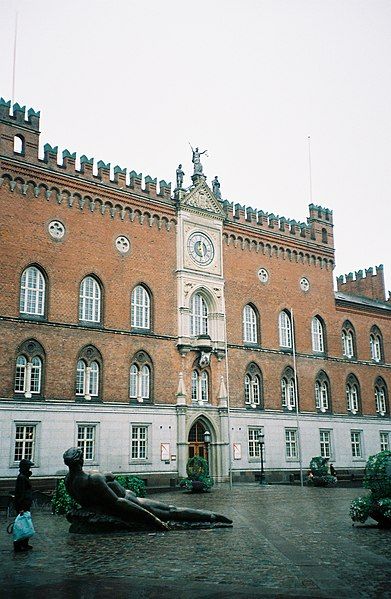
[(23, 498)]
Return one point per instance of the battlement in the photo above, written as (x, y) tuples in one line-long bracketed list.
[(319, 230), (16, 126), (18, 115), (370, 284)]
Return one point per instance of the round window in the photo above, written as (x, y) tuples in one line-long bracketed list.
[(122, 244), (56, 229), (304, 284), (263, 275)]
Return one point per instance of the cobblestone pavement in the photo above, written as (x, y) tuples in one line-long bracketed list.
[(286, 542)]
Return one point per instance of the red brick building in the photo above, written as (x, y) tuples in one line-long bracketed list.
[(133, 319)]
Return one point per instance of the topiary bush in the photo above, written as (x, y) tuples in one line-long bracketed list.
[(198, 479), (377, 479), (62, 502), (319, 475), (133, 483)]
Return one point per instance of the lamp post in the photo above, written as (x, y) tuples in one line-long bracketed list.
[(261, 441), (207, 439)]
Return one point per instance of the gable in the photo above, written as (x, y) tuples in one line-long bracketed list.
[(201, 200)]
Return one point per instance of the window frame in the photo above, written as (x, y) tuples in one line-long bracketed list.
[(289, 390), (253, 446), (253, 376), (376, 345), (30, 350), (140, 360), (323, 444), (352, 384), (89, 355), (25, 289), (294, 440), (250, 323), (198, 387), (318, 335), (322, 384), (381, 387), (148, 444), (95, 426), (348, 333), (360, 457), (141, 309), (36, 447), (199, 315), (96, 302), (387, 446), (285, 332)]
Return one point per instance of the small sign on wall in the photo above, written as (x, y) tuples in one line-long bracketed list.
[(164, 451), (237, 451)]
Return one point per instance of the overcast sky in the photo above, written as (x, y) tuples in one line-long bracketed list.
[(131, 82)]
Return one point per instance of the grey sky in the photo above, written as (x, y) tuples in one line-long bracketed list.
[(131, 82)]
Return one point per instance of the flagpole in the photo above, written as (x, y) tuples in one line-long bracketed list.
[(309, 167), (297, 399), (14, 63)]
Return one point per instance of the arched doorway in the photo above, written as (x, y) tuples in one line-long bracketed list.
[(197, 445)]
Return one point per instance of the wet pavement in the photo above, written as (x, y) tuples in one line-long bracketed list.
[(285, 542)]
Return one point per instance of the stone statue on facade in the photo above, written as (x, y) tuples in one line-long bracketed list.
[(179, 177), (196, 160), (101, 495), (216, 188)]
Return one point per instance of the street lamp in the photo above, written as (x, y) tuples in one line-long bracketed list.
[(207, 440), (261, 441)]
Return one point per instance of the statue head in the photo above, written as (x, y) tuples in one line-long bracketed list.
[(73, 456), (180, 166), (196, 149)]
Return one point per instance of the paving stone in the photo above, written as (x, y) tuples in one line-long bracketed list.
[(286, 542)]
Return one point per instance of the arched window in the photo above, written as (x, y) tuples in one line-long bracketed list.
[(89, 374), (32, 292), (322, 392), (348, 340), (90, 300), (200, 386), (140, 378), (285, 329), (353, 400), (198, 315), (19, 144), (253, 386), (250, 333), (381, 399), (288, 389), (140, 308), (29, 369), (324, 236), (317, 335), (376, 344)]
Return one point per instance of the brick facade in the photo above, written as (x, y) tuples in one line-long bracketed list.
[(95, 211)]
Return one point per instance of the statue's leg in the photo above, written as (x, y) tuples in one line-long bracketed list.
[(133, 512), (171, 512)]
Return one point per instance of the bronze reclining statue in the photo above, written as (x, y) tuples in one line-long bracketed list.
[(102, 494)]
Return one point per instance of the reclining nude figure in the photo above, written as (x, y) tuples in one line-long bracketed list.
[(101, 493)]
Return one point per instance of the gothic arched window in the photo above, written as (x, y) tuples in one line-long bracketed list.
[(90, 300), (253, 395), (140, 308), (353, 399), (29, 369), (318, 336), (199, 386), (381, 397), (348, 340), (285, 329), (198, 315), (32, 292), (376, 344), (140, 378), (250, 324), (288, 389), (89, 374), (322, 392)]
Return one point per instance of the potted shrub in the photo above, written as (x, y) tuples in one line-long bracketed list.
[(377, 504), (319, 475), (198, 479)]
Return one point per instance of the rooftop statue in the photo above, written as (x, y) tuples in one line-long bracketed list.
[(179, 177), (196, 160), (102, 494), (216, 188)]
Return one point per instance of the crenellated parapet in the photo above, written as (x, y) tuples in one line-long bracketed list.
[(27, 130), (318, 230), (367, 283), (18, 115)]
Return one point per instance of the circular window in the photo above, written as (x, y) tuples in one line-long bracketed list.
[(263, 275), (304, 284), (56, 229), (122, 244)]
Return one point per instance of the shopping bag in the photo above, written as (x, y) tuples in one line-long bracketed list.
[(23, 527)]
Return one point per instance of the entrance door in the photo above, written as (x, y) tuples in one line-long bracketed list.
[(196, 441)]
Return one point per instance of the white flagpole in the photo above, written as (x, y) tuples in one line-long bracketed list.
[(297, 399), (14, 63)]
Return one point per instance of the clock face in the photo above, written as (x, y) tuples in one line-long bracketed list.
[(200, 248)]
